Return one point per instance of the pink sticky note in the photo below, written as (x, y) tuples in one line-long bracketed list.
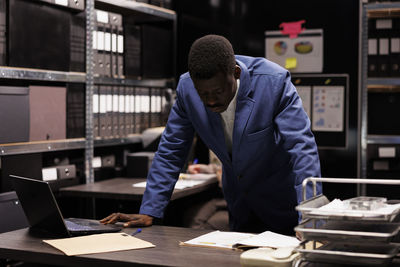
[(292, 28)]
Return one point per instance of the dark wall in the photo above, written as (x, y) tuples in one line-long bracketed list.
[(198, 18), (339, 20), (244, 23)]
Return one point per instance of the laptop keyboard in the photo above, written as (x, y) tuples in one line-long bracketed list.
[(71, 226)]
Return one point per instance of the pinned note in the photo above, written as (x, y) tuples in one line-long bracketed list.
[(291, 63), (292, 28)]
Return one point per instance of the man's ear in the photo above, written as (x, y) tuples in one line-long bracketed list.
[(237, 72)]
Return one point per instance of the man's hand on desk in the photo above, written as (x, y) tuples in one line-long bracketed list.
[(129, 219), (202, 168), (207, 168)]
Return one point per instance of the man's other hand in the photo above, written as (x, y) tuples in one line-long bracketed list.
[(200, 168), (129, 219)]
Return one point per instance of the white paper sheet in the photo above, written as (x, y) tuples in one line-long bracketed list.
[(181, 184), (221, 239), (337, 207)]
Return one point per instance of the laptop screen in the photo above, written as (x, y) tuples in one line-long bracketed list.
[(13, 216), (39, 205)]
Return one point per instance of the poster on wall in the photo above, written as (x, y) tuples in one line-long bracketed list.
[(325, 100), (301, 54), (328, 108), (305, 96)]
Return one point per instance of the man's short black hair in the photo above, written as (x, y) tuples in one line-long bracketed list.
[(209, 55)]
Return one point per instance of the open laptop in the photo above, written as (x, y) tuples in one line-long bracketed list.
[(44, 215)]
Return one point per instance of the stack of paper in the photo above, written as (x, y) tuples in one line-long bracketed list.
[(338, 208), (232, 240)]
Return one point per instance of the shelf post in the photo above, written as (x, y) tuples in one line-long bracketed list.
[(89, 174)]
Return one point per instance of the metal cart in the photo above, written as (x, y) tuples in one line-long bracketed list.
[(365, 238)]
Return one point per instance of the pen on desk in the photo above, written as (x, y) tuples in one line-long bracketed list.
[(195, 161), (136, 232)]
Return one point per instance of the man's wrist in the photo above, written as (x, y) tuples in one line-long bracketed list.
[(215, 168)]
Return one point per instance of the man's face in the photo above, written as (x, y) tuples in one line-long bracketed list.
[(217, 92)]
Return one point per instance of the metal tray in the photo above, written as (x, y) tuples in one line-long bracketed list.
[(309, 208), (341, 253), (348, 231)]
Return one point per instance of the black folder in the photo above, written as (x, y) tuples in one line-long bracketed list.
[(116, 45), (96, 112), (132, 50), (121, 114), (383, 28), (372, 49), (157, 50), (50, 30), (394, 61), (3, 29), (14, 114), (115, 113)]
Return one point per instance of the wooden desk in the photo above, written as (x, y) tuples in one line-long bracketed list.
[(121, 189), (19, 245)]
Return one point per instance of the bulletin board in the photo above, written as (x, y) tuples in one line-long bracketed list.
[(325, 100)]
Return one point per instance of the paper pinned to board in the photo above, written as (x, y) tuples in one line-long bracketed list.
[(291, 63), (98, 243), (292, 28)]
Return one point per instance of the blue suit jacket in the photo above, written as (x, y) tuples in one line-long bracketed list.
[(273, 148)]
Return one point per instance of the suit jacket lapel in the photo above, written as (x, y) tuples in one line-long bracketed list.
[(243, 111), (244, 108), (219, 138)]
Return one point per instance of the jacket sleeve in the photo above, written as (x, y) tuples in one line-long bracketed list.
[(293, 126), (169, 159)]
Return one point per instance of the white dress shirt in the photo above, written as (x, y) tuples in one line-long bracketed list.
[(228, 120)]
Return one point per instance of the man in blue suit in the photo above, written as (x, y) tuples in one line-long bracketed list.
[(247, 111)]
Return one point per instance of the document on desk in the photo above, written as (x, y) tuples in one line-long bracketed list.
[(232, 240), (186, 180), (98, 243), (197, 176)]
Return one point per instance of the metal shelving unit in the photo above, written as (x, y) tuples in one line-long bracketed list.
[(383, 81), (89, 141), (66, 144), (372, 10), (143, 13), (131, 139), (41, 75), (41, 146), (383, 139), (131, 82)]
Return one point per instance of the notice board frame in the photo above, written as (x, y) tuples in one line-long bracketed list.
[(328, 139)]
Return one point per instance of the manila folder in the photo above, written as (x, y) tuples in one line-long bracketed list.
[(98, 243)]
